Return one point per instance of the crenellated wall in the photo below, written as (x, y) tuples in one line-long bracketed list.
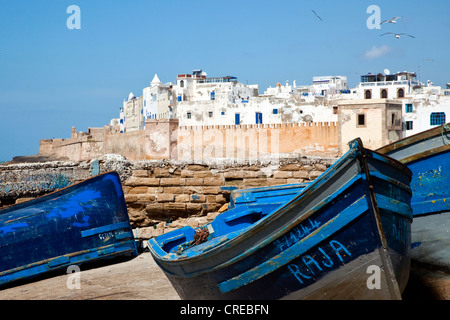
[(164, 139)]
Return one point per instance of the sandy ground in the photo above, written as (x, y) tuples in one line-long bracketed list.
[(137, 278)]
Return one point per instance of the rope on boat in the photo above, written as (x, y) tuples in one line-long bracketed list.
[(201, 235)]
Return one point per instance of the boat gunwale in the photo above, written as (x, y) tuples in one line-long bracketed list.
[(417, 138), (54, 193)]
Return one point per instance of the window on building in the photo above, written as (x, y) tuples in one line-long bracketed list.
[(210, 114), (222, 113), (275, 111), (384, 94), (361, 120), (335, 110), (368, 94), (437, 118), (179, 98), (188, 115), (409, 125), (400, 93), (237, 118), (213, 95), (408, 108), (258, 118), (182, 84)]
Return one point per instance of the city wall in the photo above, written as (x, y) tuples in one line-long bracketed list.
[(164, 139)]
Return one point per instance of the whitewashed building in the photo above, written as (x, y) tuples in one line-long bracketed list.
[(157, 101)]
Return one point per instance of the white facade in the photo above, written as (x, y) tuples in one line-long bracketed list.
[(157, 100), (197, 100)]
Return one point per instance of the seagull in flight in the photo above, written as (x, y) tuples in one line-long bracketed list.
[(393, 20), (397, 35), (317, 15)]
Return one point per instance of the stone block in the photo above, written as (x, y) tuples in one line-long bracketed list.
[(282, 174), (175, 209), (252, 174), (193, 190), (197, 198), (289, 167), (162, 173), (302, 174), (172, 181), (144, 198), (194, 182), (137, 190), (197, 167), (212, 190), (182, 198), (165, 197), (148, 182), (156, 208), (130, 198), (174, 190), (221, 199), (293, 180), (255, 182), (231, 175), (187, 173), (140, 173), (202, 174), (320, 167), (213, 182), (211, 199), (314, 174), (194, 208)]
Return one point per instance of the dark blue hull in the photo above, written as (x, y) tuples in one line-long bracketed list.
[(322, 244), (81, 223), (427, 155)]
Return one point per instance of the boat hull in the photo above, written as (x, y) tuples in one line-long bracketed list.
[(322, 244), (427, 155), (84, 222)]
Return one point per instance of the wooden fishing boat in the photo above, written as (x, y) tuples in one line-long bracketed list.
[(348, 227), (81, 223), (427, 155)]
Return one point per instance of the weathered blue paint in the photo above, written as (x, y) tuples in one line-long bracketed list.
[(427, 155), (81, 223), (306, 245)]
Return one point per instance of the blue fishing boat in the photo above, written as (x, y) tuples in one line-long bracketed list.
[(81, 223), (348, 227), (427, 155)]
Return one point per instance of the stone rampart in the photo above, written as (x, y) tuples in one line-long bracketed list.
[(160, 194)]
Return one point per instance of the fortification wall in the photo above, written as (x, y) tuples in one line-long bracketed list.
[(164, 139), (160, 195)]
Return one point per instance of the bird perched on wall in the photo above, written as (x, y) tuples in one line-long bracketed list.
[(393, 20), (317, 15), (397, 35)]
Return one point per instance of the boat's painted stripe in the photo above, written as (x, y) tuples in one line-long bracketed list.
[(107, 228), (125, 247), (395, 206), (116, 249), (337, 223)]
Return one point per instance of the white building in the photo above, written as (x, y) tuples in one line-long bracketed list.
[(196, 100), (424, 106), (131, 114), (157, 101)]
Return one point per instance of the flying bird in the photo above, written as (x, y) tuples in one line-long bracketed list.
[(393, 20), (397, 35), (317, 15)]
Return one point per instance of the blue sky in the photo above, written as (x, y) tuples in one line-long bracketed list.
[(53, 78)]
